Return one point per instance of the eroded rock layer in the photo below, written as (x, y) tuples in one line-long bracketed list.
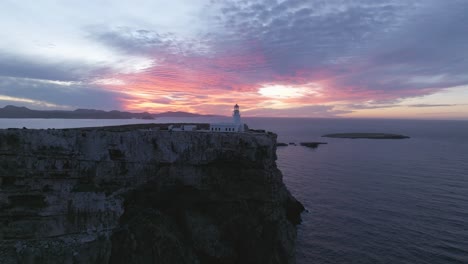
[(140, 196)]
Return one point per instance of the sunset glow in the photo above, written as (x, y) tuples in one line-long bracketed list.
[(281, 58)]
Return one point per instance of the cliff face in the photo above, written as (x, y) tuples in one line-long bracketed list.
[(136, 196)]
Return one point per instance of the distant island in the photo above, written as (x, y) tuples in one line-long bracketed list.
[(366, 135), (11, 111)]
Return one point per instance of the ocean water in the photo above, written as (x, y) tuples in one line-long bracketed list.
[(378, 201), (368, 201)]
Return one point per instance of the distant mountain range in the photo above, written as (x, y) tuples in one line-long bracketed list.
[(11, 111)]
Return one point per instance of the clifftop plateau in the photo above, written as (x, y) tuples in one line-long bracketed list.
[(102, 195)]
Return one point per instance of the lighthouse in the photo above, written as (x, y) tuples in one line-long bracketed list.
[(235, 126), (236, 115)]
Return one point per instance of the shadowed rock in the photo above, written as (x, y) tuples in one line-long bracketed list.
[(312, 144), (123, 195)]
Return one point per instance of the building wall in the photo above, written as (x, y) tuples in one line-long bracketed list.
[(224, 127), (189, 127)]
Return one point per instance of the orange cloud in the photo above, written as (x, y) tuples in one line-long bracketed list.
[(212, 83)]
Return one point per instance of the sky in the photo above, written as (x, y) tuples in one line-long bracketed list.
[(294, 58)]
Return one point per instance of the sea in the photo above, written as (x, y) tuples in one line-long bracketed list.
[(367, 201)]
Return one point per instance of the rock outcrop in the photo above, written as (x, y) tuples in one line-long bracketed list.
[(312, 144), (138, 196)]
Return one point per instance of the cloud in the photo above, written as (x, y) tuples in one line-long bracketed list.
[(41, 104), (379, 106), (304, 111), (366, 49), (368, 106), (356, 51), (431, 105), (311, 34), (282, 56), (22, 66), (148, 42), (44, 94)]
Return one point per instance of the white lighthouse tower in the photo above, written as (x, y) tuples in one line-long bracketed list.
[(235, 126), (236, 115)]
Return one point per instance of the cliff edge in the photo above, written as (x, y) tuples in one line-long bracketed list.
[(102, 195)]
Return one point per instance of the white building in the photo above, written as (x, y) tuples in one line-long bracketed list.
[(235, 126)]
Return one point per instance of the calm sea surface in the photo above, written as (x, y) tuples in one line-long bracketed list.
[(368, 201)]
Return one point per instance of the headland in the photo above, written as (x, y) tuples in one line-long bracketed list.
[(143, 194)]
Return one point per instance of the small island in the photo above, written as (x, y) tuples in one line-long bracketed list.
[(366, 135)]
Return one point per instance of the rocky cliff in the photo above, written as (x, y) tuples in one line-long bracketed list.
[(107, 195)]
